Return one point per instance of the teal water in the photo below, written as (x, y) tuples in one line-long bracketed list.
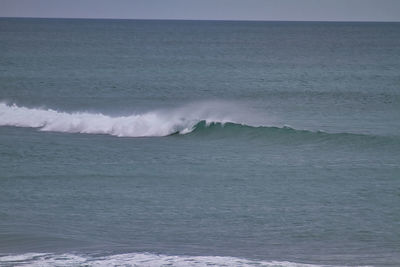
[(195, 143)]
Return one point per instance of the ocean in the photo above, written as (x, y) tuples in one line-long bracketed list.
[(199, 143)]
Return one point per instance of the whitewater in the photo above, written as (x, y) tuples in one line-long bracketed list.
[(153, 123), (140, 259)]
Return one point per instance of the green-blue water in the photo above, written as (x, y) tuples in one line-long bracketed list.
[(195, 143)]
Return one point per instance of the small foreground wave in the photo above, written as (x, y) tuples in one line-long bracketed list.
[(137, 259)]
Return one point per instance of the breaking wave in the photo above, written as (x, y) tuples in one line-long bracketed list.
[(217, 119), (153, 123)]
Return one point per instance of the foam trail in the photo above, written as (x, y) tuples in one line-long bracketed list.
[(153, 123), (138, 259)]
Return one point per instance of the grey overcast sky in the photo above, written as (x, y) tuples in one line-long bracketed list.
[(297, 10)]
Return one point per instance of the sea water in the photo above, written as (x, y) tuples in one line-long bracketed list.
[(199, 143)]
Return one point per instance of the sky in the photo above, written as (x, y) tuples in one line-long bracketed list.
[(281, 10)]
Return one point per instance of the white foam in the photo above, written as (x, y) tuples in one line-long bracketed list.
[(20, 257), (153, 123), (138, 259)]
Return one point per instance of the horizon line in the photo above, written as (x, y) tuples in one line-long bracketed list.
[(216, 20)]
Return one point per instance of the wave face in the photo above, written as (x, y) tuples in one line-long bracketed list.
[(137, 259), (154, 123)]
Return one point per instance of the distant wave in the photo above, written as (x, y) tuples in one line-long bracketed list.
[(136, 259)]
